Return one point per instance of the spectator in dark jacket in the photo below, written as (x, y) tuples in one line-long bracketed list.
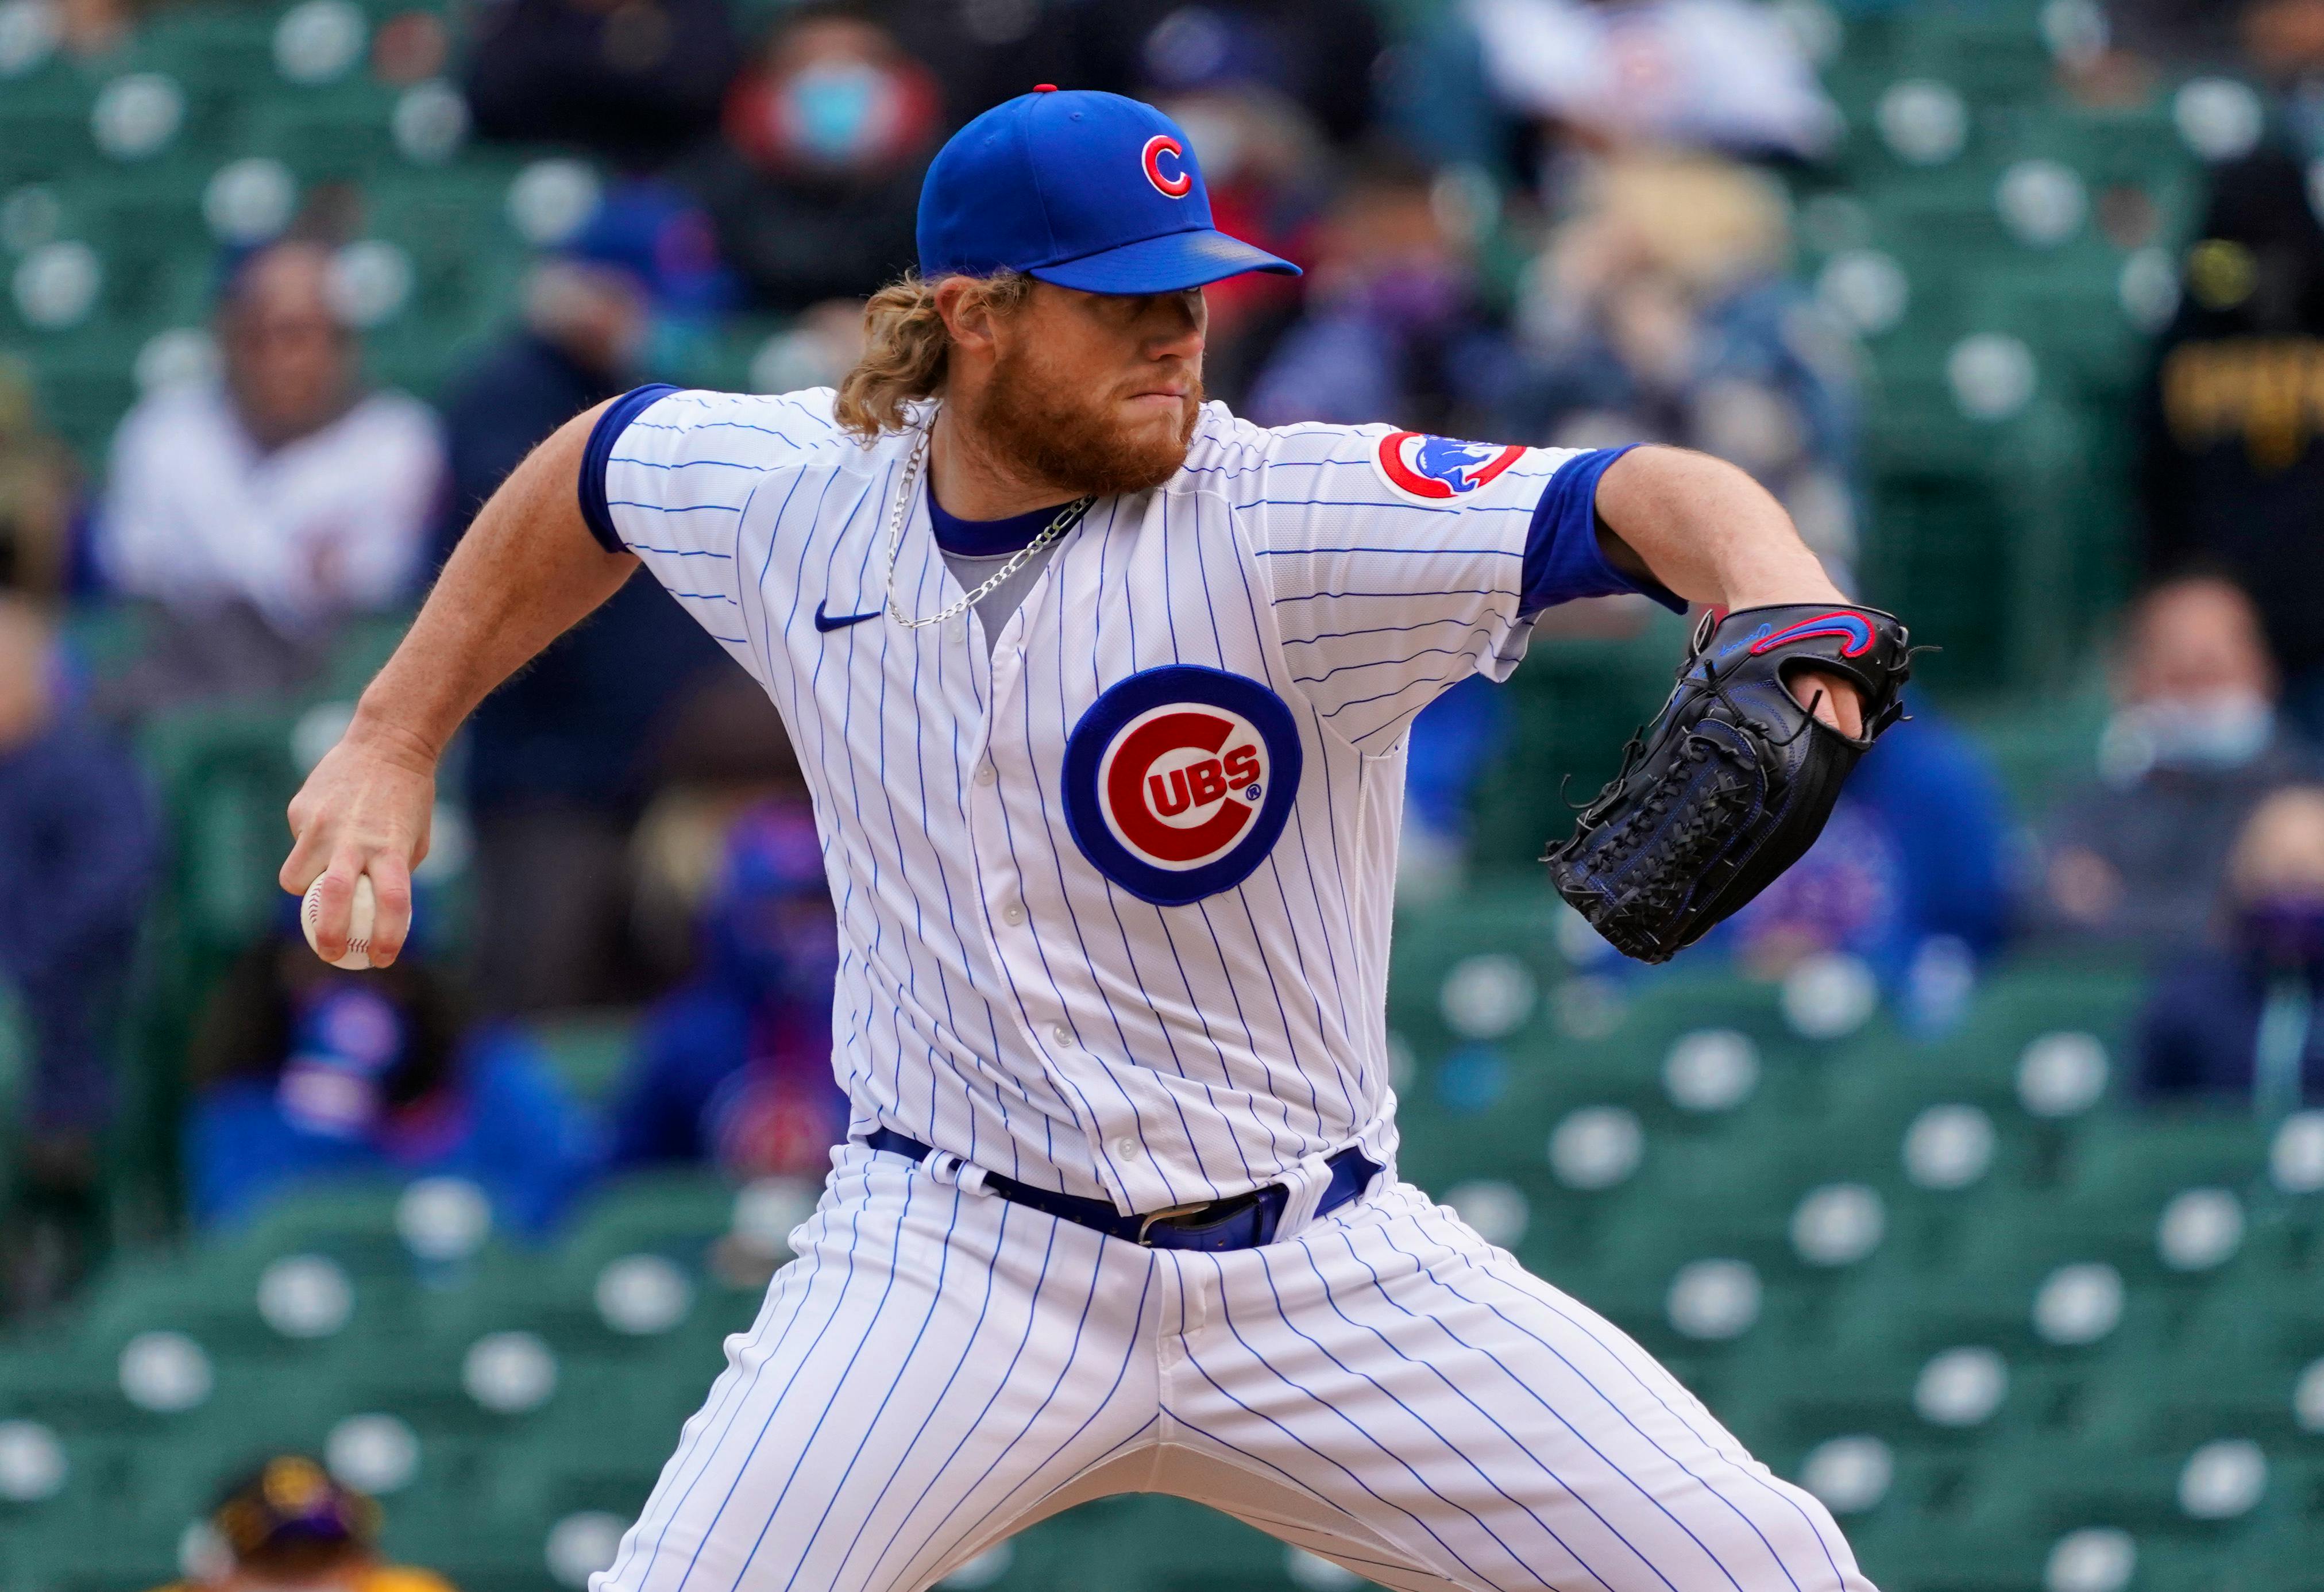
[(1321, 55), (306, 1073), (815, 191), (2232, 450), (77, 845), (555, 765), (2135, 859), (2240, 1019), (735, 1067), (637, 82)]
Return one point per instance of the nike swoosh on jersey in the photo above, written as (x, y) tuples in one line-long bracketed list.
[(828, 622)]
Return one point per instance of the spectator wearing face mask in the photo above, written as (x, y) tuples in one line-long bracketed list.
[(734, 1068), (2240, 1020), (814, 187), (2137, 857), (306, 1074)]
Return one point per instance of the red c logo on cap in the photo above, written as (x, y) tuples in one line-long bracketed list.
[(1161, 145)]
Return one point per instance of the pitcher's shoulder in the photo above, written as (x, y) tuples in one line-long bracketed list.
[(1228, 447), (800, 422)]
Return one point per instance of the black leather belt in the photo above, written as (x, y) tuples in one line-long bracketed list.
[(1241, 1221)]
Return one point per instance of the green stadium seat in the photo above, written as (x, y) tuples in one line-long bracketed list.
[(2144, 1159), (588, 1053), (678, 1214), (1937, 1555), (209, 49), (2172, 1405), (2044, 1487), (2261, 1316), (352, 1223), (340, 135), (1994, 1295)]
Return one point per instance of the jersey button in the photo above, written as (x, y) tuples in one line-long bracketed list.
[(985, 773), (1063, 1036), (1126, 1147), (1012, 914)]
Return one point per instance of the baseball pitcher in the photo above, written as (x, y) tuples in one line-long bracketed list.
[(1101, 694)]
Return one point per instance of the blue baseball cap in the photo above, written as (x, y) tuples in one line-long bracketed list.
[(1085, 190)]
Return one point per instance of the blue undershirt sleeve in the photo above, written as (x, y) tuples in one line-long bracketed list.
[(601, 437), (1562, 559)]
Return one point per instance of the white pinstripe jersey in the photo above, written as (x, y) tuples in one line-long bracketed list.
[(1114, 901)]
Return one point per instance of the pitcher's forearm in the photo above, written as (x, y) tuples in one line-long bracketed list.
[(1706, 530), (527, 571)]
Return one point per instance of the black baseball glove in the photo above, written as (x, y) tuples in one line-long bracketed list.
[(1733, 780)]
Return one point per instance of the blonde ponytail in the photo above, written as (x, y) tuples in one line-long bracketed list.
[(904, 347)]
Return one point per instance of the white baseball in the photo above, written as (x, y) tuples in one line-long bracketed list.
[(359, 921)]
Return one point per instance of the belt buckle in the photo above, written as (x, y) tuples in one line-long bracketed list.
[(1170, 1214)]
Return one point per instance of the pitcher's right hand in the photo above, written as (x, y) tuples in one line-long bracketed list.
[(365, 810)]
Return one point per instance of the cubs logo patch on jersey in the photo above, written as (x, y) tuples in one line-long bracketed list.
[(1422, 469), (1178, 780)]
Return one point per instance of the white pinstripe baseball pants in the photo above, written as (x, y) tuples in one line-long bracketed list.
[(938, 1369)]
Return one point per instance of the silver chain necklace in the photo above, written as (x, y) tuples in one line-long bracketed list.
[(1067, 517)]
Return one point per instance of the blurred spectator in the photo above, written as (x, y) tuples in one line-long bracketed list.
[(2137, 857), (815, 189), (656, 235), (2118, 51), (77, 847), (1912, 855), (1266, 91), (735, 1067), (2232, 449), (1702, 74), (1452, 743), (1393, 329), (289, 1527), (2239, 1019), (306, 1073), (287, 487), (1269, 171), (36, 493), (723, 752), (983, 51), (555, 758), (1320, 55), (2175, 34), (1664, 312), (635, 80)]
